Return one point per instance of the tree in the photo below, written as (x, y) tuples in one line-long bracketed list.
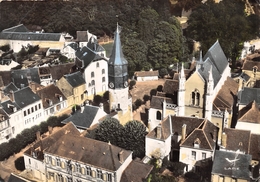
[(134, 138), (110, 130), (19, 163), (215, 21), (188, 4)]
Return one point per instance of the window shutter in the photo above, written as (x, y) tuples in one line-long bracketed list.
[(83, 170), (104, 176), (63, 164), (93, 173)]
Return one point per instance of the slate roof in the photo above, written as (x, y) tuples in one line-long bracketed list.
[(75, 79), (83, 118), (6, 106), (225, 97), (249, 64), (17, 28), (31, 36), (157, 102), (217, 56), (5, 77), (255, 147), (86, 55), (237, 139), (222, 167), (21, 76), (171, 86), (93, 152), (146, 73), (17, 178), (3, 115), (136, 171), (52, 93), (94, 46), (25, 97), (10, 87), (204, 133), (247, 95), (250, 113)]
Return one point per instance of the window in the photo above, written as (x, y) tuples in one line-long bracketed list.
[(203, 155), (36, 108), (58, 162), (99, 174), (88, 169), (92, 74), (59, 178), (78, 168), (52, 110), (39, 106), (193, 155), (109, 177), (97, 65), (82, 96), (24, 113), (103, 79), (69, 179), (32, 109), (195, 98), (29, 161), (93, 82), (103, 71), (158, 115), (28, 111)]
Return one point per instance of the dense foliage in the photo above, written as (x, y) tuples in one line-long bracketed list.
[(225, 21), (28, 136), (131, 136), (19, 163)]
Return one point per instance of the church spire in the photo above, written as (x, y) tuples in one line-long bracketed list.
[(117, 64)]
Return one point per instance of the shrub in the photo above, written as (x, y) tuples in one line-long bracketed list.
[(131, 84)]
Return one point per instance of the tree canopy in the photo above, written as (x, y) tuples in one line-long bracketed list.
[(131, 136), (225, 21)]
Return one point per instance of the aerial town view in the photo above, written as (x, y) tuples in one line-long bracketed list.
[(130, 91)]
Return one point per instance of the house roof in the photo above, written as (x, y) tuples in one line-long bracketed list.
[(89, 151), (250, 113), (136, 171), (237, 139), (255, 147), (57, 71), (17, 28), (10, 87), (50, 93), (17, 178), (249, 64), (8, 106), (94, 46), (3, 115), (247, 95), (157, 102), (68, 129), (29, 36), (171, 86), (82, 36), (25, 97), (204, 134), (5, 77), (84, 117), (24, 76), (225, 97), (75, 79), (238, 169), (146, 73), (86, 55)]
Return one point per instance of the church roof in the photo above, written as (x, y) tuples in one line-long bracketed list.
[(117, 56)]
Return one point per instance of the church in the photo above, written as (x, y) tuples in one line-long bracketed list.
[(204, 90)]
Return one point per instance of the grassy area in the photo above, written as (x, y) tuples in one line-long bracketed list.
[(108, 47)]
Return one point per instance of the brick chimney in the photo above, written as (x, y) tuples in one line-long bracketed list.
[(224, 140), (11, 95), (183, 132), (159, 131), (120, 156)]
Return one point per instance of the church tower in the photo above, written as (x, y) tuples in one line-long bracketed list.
[(209, 96), (119, 99), (181, 92)]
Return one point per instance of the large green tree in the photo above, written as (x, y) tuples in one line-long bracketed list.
[(225, 21)]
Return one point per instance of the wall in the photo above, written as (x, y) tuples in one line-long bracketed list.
[(253, 127), (152, 145)]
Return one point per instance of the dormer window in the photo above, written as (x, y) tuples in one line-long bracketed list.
[(254, 69), (197, 143), (49, 101)]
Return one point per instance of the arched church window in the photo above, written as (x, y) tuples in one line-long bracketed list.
[(158, 115), (195, 98)]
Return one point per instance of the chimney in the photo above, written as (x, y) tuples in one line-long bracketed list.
[(159, 131), (50, 129), (183, 132), (11, 95), (215, 133), (120, 156), (38, 135), (164, 109), (224, 140)]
